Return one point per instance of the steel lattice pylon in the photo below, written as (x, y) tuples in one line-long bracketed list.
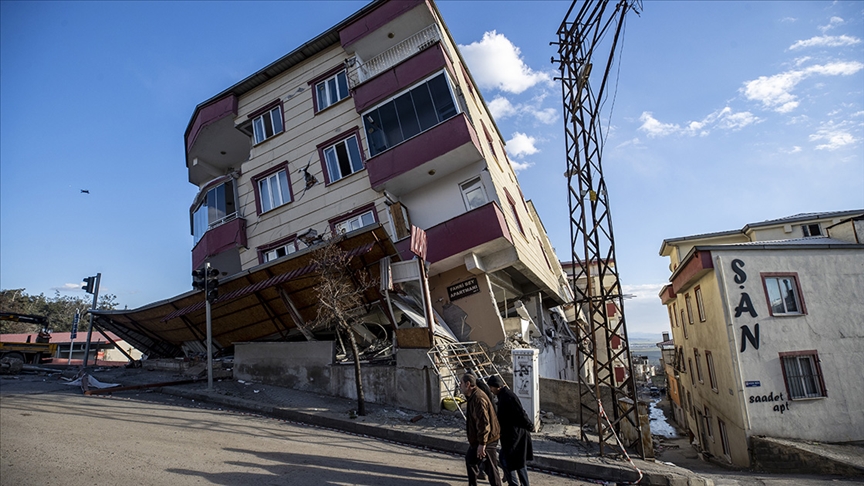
[(589, 34)]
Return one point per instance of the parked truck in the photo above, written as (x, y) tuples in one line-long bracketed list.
[(29, 352)]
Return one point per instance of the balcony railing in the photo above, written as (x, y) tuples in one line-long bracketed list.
[(393, 56)]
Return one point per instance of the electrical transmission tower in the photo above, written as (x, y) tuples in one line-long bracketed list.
[(588, 39)]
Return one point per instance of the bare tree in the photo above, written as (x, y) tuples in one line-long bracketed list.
[(340, 299)]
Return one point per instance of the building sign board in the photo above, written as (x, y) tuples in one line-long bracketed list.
[(750, 384), (463, 289)]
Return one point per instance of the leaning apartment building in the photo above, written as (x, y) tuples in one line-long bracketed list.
[(768, 336), (370, 129)]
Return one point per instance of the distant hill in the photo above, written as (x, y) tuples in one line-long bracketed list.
[(644, 337)]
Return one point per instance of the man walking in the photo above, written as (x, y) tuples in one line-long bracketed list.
[(483, 433), (516, 429)]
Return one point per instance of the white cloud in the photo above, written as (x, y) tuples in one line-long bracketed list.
[(521, 145), (724, 119), (835, 136), (520, 166), (68, 287), (833, 22), (546, 116), (643, 292), (655, 128), (794, 150), (496, 63), (633, 141), (826, 41), (775, 92), (500, 108)]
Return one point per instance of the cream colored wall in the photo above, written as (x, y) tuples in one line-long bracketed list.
[(831, 283), (483, 317), (304, 130)]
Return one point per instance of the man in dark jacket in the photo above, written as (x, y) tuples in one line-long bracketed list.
[(516, 429), (483, 433)]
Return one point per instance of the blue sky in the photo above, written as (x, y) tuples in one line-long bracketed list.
[(724, 113)]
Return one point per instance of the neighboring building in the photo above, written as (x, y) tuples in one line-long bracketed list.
[(100, 348), (377, 121), (766, 323), (668, 359), (642, 368), (620, 365)]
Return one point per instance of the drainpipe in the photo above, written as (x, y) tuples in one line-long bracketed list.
[(733, 348)]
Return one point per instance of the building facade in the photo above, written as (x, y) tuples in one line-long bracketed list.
[(377, 122), (766, 323)]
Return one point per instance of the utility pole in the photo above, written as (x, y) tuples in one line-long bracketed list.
[(587, 44), (91, 286)]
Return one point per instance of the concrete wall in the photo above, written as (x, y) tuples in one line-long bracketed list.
[(308, 366)]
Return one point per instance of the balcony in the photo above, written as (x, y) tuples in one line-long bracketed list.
[(421, 160), (481, 231), (393, 56), (213, 145), (221, 242)]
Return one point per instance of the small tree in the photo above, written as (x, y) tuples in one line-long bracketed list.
[(340, 300)]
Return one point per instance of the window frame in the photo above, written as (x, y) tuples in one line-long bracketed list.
[(692, 375), (684, 325), (813, 355), (712, 373), (366, 116), (675, 312), (332, 73), (699, 374), (264, 249), (478, 181), (359, 212), (799, 296), (256, 185), (806, 229), (512, 203), (201, 201), (700, 305), (708, 426), (671, 316), (332, 142), (724, 438), (259, 113), (689, 308)]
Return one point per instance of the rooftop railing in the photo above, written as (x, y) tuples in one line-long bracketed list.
[(393, 56)]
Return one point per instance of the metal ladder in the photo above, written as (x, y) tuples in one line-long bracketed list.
[(451, 360)]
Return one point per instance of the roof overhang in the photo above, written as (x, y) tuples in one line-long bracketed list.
[(254, 305)]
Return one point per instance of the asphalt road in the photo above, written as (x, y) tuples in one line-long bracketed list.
[(50, 434)]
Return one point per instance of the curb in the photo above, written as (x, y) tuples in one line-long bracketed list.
[(596, 472)]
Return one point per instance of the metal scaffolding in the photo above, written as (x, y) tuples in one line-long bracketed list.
[(588, 39)]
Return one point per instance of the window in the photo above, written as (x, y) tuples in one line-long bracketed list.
[(473, 193), (783, 294), (280, 252), (267, 124), (712, 375), (690, 404), (675, 313), (671, 316), (272, 188), (708, 427), (724, 437), (802, 374), (216, 207), (689, 308), (512, 205), (356, 220), (489, 140), (417, 110), (331, 90), (277, 249), (700, 307), (811, 229), (274, 191), (683, 325), (698, 366), (342, 158), (692, 376)]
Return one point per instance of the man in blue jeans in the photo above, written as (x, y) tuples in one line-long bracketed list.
[(516, 429)]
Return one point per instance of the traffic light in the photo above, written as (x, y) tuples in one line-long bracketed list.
[(89, 284), (198, 279), (212, 284)]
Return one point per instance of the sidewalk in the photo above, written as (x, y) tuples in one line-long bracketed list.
[(554, 449)]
